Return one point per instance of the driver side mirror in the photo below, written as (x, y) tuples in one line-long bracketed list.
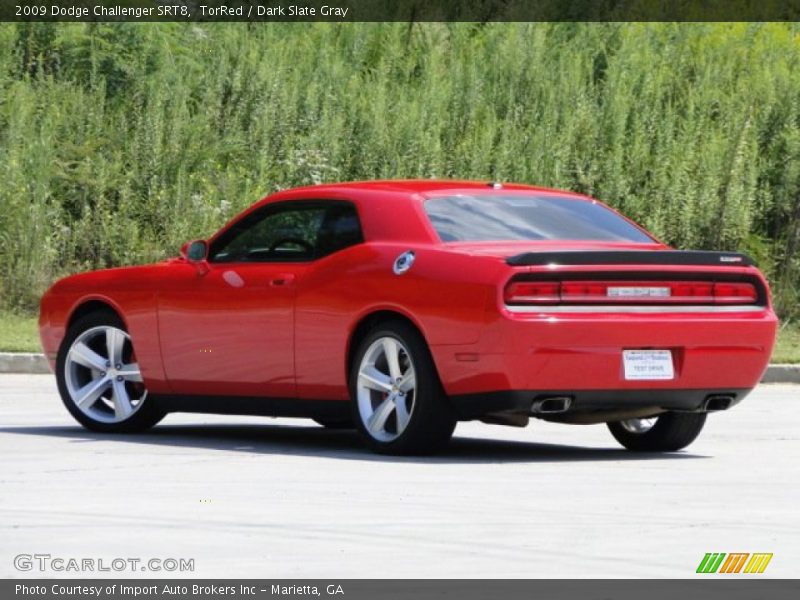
[(195, 251)]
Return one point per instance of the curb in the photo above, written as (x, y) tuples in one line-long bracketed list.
[(23, 362), (782, 374), (31, 363)]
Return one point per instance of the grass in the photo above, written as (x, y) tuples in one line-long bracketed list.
[(18, 333), (787, 349), (119, 141)]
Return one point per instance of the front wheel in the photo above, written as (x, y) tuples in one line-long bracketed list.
[(99, 379), (399, 406), (666, 433)]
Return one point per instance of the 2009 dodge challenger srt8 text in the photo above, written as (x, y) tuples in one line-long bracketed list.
[(402, 307)]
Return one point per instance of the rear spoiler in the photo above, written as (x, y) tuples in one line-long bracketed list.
[(631, 257)]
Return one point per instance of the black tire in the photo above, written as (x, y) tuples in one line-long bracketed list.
[(432, 419), (336, 423), (671, 432), (144, 417)]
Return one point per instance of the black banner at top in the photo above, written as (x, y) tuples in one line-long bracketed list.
[(482, 11)]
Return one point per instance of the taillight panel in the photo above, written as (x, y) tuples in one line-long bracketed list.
[(628, 291), (533, 292), (735, 293)]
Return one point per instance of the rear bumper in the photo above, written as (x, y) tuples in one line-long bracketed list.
[(591, 406), (547, 353)]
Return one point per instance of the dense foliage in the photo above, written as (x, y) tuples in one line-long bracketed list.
[(119, 142)]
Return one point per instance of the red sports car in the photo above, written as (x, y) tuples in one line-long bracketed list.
[(402, 307)]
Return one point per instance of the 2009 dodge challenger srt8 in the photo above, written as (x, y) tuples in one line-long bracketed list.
[(402, 307)]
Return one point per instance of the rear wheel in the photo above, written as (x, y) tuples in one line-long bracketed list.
[(99, 378), (399, 406), (666, 433)]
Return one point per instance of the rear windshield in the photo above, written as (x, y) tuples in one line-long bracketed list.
[(490, 217)]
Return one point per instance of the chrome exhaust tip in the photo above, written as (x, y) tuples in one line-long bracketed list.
[(552, 405), (717, 402)]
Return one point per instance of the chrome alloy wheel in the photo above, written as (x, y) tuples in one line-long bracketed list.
[(102, 376), (386, 389), (639, 425)]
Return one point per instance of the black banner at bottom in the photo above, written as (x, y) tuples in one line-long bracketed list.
[(419, 589)]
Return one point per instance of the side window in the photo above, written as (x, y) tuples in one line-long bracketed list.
[(293, 232), (339, 230)]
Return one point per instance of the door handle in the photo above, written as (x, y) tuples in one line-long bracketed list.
[(282, 280)]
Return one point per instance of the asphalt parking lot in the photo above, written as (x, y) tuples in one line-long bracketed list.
[(286, 498)]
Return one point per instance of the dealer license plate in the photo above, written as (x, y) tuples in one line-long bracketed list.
[(647, 364)]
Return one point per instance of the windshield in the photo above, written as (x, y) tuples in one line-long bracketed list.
[(490, 217)]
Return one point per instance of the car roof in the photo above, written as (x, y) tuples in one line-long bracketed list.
[(423, 186), (382, 220)]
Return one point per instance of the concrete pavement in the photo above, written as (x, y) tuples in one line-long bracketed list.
[(285, 498)]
